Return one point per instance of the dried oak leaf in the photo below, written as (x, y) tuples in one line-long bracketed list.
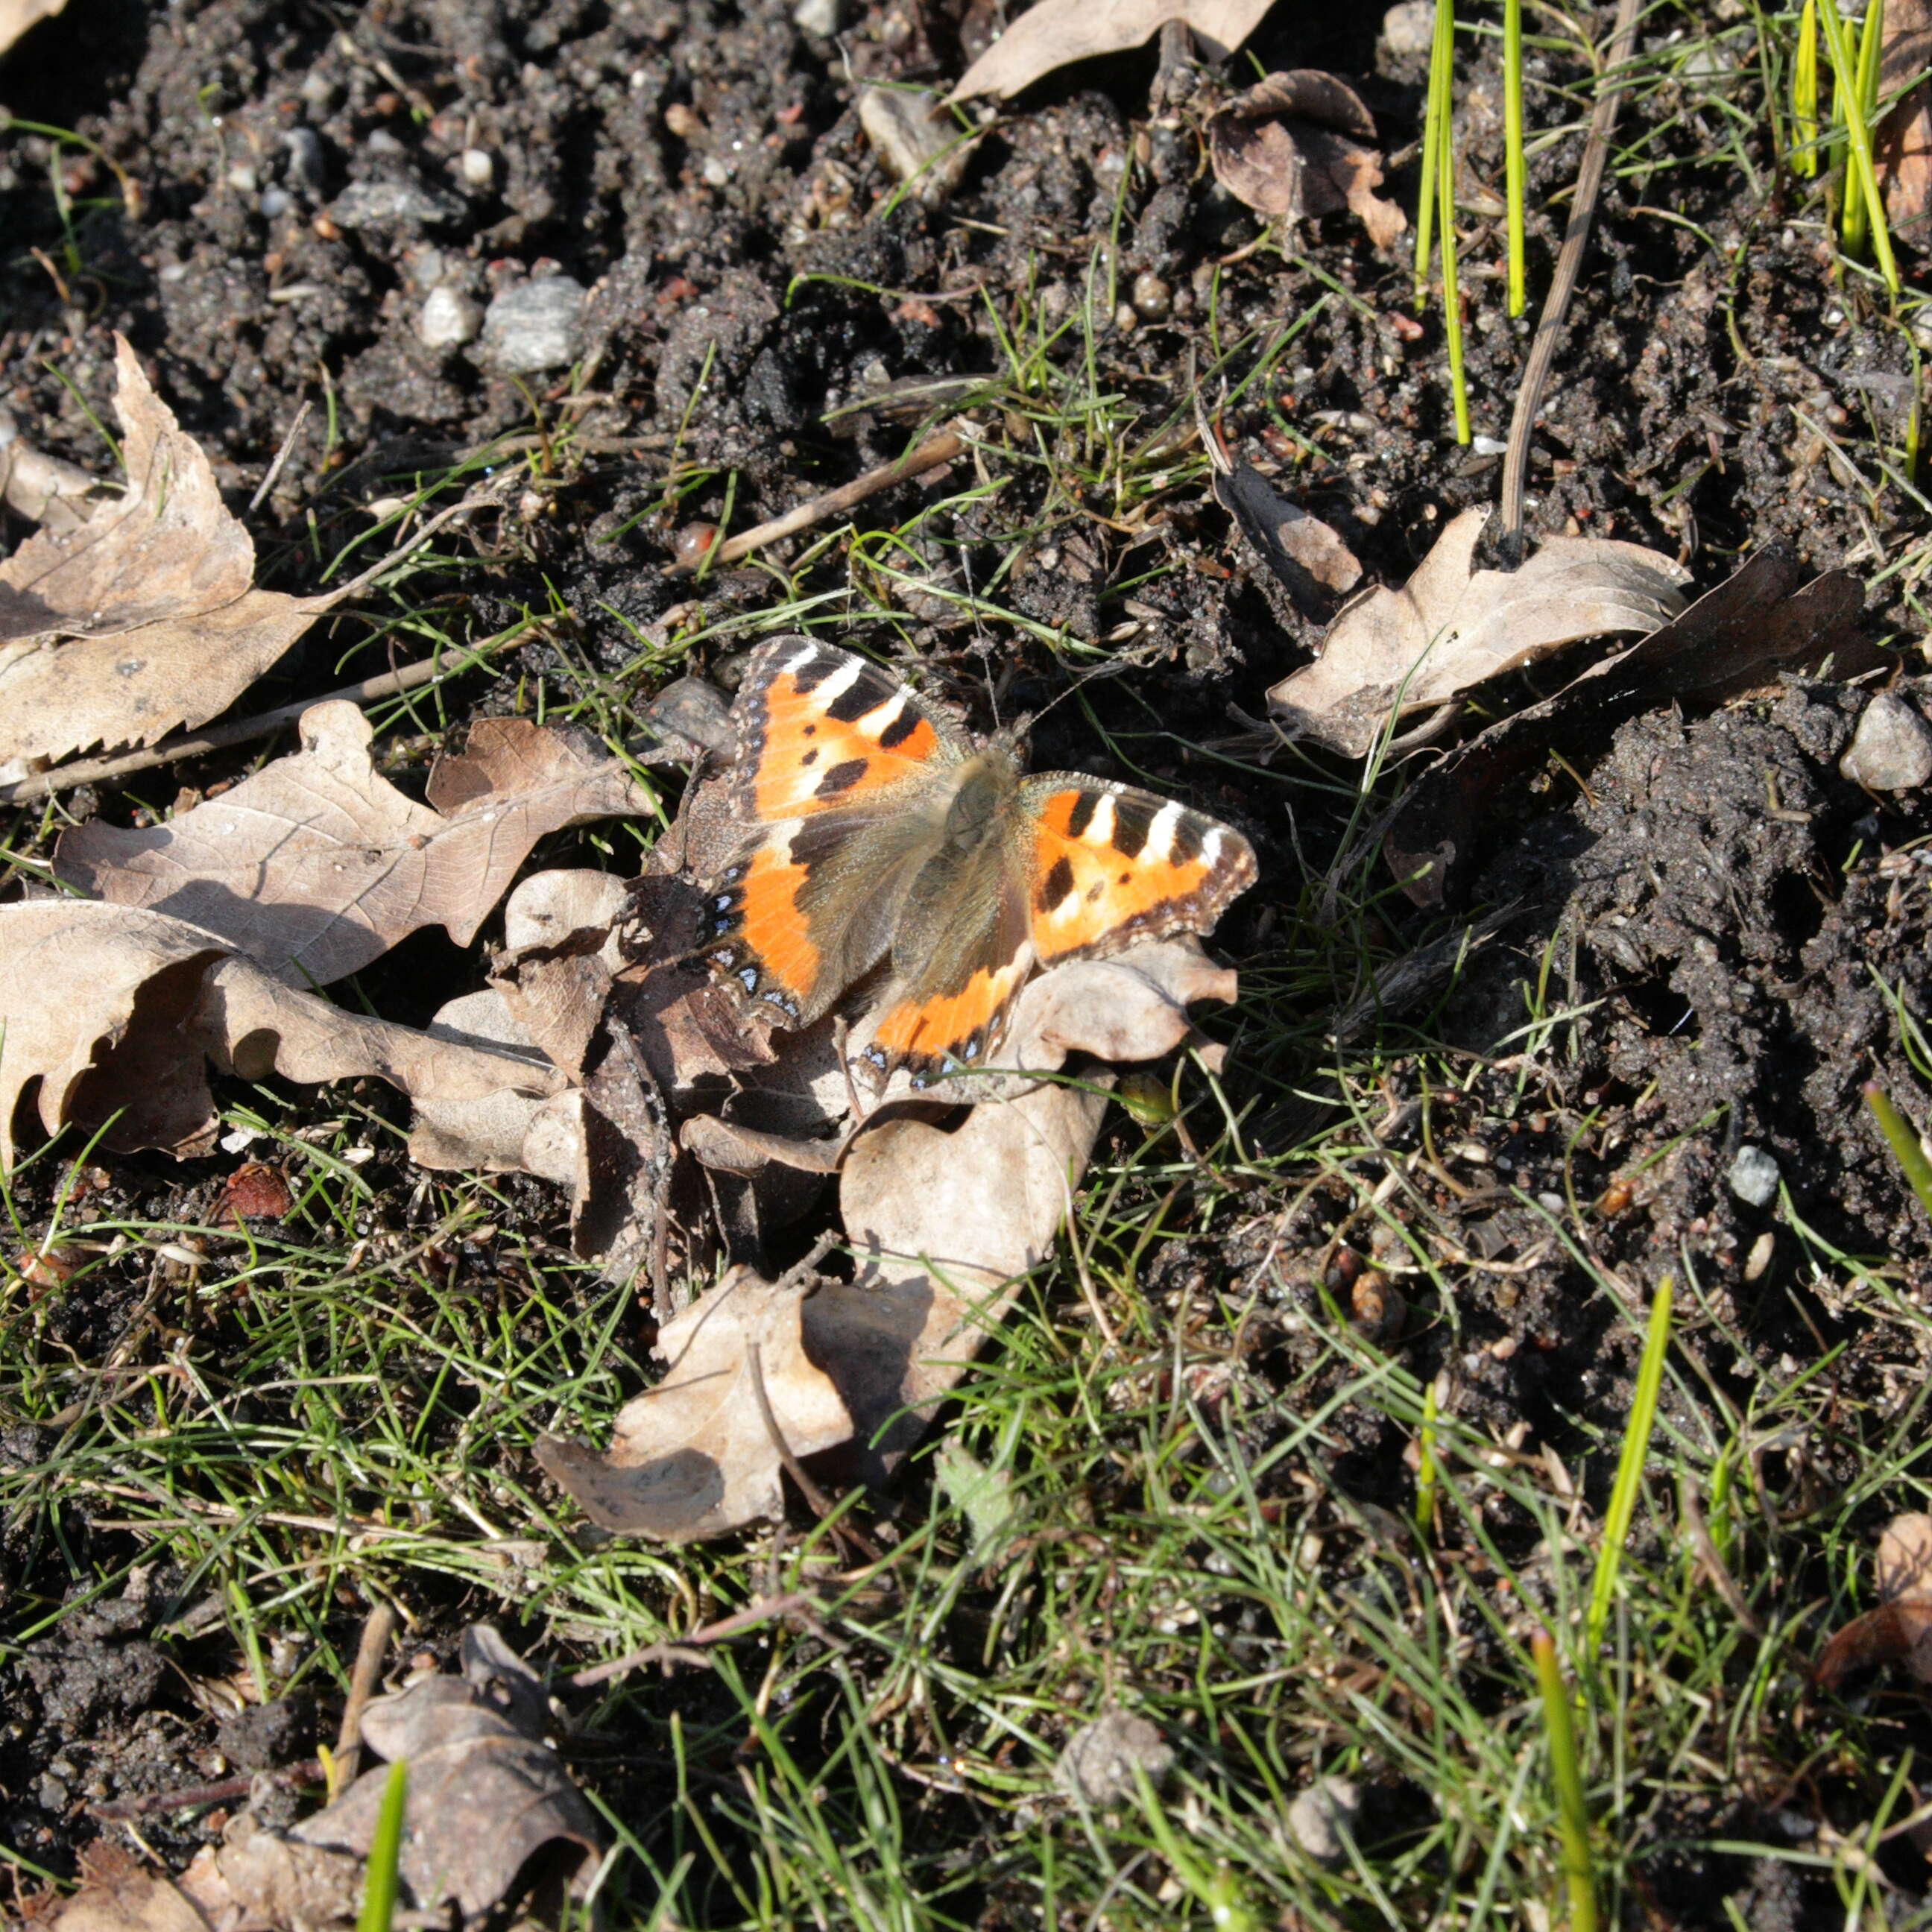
[(146, 616), (317, 865), (112, 1011), (118, 1894), (1301, 144), (1307, 556), (1053, 33), (487, 1794), (694, 1457), (1900, 1629), (1451, 628), (1902, 142), (1735, 638), (17, 16), (947, 1219)]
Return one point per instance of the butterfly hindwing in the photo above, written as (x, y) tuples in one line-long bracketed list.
[(1111, 864)]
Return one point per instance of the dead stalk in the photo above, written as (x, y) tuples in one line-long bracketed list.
[(363, 1679), (688, 1649), (929, 455)]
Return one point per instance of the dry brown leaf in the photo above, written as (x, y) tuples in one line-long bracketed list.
[(1735, 638), (947, 1221), (1053, 33), (1307, 556), (113, 1010), (17, 16), (1450, 627), (1902, 1566), (694, 1457), (1902, 142), (318, 865), (145, 617), (117, 1893), (255, 1880), (487, 1794), (1301, 144)]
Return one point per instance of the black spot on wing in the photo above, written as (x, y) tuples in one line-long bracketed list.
[(1057, 883), (816, 669), (866, 692), (900, 729), (841, 778), (1132, 818), (1081, 816), (1186, 847), (811, 757)]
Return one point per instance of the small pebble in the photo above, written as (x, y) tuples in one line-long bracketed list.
[(1410, 29), (275, 203), (449, 320), (381, 142), (393, 204), (1318, 1817), (478, 166), (306, 161), (532, 326), (1487, 445), (681, 120), (1153, 299), (1892, 749), (689, 545), (318, 90), (428, 266), (242, 178), (819, 18), (1754, 1177), (715, 173), (1100, 1759)]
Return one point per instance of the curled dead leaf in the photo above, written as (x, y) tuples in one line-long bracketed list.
[(1053, 33), (112, 1013), (144, 617), (487, 1794), (1902, 1567), (17, 16), (1300, 145), (694, 1457), (318, 865), (1734, 638), (1305, 556), (1451, 627), (1902, 142)]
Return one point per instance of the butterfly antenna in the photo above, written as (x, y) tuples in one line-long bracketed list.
[(979, 629)]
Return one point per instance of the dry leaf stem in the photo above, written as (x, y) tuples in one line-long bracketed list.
[(929, 455), (362, 1681), (217, 737), (685, 1648), (1569, 264)]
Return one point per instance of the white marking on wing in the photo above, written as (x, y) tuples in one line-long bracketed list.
[(835, 686), (1160, 833), (1100, 827), (882, 717)]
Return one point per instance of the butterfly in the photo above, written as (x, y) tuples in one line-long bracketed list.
[(872, 828)]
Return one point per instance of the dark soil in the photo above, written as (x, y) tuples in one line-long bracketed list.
[(1721, 952)]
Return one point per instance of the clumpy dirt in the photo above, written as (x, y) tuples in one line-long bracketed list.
[(269, 200)]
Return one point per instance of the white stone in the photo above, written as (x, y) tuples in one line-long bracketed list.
[(819, 18), (479, 166), (449, 320), (533, 326), (1410, 28), (1892, 749), (1754, 1177)]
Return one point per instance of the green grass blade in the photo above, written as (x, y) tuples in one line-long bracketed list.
[(1452, 298), (1862, 172), (1804, 94), (385, 1854), (1514, 173), (1573, 1818), (1857, 216), (1425, 1465), (1434, 141), (1630, 1466), (1904, 1142)]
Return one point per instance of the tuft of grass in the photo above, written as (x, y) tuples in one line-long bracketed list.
[(1631, 1463), (1849, 100), (1436, 205), (1805, 93), (1572, 1816)]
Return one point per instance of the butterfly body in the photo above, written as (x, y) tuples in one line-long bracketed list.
[(873, 830)]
